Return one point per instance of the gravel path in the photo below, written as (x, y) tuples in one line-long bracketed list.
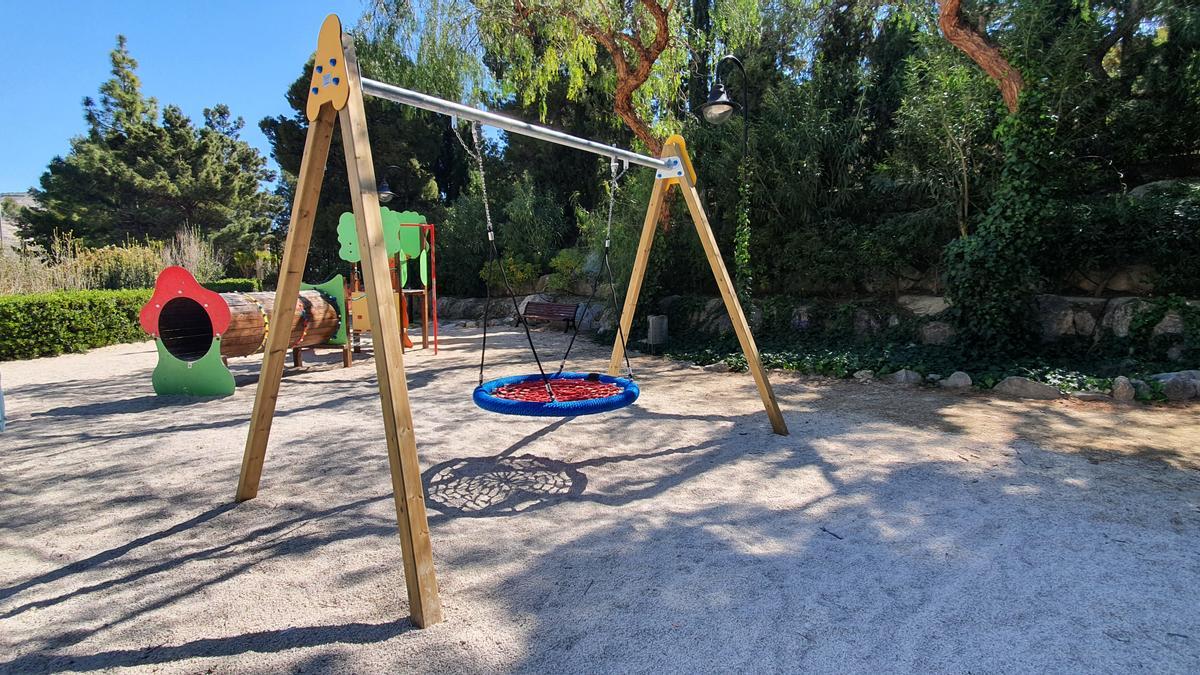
[(895, 529)]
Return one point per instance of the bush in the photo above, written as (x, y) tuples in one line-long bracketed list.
[(232, 285), (569, 269), (520, 274), (48, 324)]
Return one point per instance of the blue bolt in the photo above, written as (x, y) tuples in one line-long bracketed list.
[(320, 69), (316, 91), (335, 81), (333, 62)]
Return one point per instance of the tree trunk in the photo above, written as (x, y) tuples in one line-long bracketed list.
[(985, 53)]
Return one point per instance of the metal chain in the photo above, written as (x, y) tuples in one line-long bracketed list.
[(494, 258)]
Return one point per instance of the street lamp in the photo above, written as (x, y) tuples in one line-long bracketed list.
[(719, 107), (385, 192)]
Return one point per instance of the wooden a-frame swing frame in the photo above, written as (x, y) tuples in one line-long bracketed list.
[(337, 94)]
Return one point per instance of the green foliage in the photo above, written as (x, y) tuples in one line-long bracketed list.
[(533, 225), (742, 271), (1093, 236), (49, 324), (569, 267), (991, 276), (519, 274), (69, 265), (234, 285), (138, 174)]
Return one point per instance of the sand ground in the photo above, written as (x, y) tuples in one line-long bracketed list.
[(893, 530)]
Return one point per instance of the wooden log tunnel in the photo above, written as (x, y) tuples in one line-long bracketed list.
[(196, 329)]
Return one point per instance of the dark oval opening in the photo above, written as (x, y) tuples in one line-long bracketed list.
[(185, 329)]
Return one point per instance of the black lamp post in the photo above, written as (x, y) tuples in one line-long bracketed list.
[(385, 191), (717, 110), (719, 107)]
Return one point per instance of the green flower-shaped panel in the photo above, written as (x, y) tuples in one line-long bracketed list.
[(396, 237)]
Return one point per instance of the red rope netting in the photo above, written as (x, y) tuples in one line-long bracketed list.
[(534, 391)]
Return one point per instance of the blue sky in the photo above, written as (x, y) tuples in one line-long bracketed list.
[(189, 53)]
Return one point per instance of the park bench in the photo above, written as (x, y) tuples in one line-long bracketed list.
[(549, 311)]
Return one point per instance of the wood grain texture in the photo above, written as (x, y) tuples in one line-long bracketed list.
[(638, 275), (291, 271), (424, 603), (725, 283)]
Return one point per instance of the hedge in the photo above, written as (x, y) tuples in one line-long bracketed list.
[(234, 285), (48, 324)]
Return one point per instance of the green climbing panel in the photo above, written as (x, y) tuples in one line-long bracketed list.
[(335, 291), (206, 376), (396, 237)]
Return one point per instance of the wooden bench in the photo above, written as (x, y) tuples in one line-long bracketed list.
[(549, 311)]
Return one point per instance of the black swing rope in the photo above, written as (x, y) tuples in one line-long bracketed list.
[(494, 257), (617, 171)]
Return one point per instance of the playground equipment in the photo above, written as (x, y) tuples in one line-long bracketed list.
[(407, 238), (196, 330), (336, 93)]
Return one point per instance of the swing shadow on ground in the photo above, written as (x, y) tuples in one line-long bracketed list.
[(920, 564), (923, 567)]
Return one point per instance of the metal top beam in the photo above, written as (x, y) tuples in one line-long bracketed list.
[(438, 105)]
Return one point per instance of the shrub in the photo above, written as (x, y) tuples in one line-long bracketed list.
[(518, 272), (48, 324), (569, 269), (193, 252), (234, 285)]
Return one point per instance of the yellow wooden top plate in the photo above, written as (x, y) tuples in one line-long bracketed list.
[(329, 82)]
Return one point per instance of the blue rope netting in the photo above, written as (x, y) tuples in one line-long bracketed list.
[(485, 398)]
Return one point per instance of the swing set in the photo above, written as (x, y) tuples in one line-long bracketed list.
[(336, 93)]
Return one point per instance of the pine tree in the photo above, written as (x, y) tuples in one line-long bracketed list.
[(138, 174)]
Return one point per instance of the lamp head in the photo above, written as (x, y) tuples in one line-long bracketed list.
[(385, 192), (719, 107)]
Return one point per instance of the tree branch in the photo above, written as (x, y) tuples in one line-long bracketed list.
[(1133, 16), (985, 53)]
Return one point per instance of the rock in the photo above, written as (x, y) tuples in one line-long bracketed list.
[(1179, 388), (1171, 324), (1085, 323), (1056, 317), (1175, 352), (1023, 387), (542, 283), (864, 375), (1141, 389), (1123, 389), (1118, 314), (1158, 186), (1091, 396), (957, 380), (923, 305), (937, 333), (905, 376), (1132, 279), (718, 367), (1186, 374), (933, 377)]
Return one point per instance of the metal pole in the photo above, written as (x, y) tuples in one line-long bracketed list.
[(438, 105)]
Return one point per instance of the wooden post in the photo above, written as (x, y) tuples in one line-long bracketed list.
[(674, 147), (649, 226), (291, 270), (337, 90), (408, 493)]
